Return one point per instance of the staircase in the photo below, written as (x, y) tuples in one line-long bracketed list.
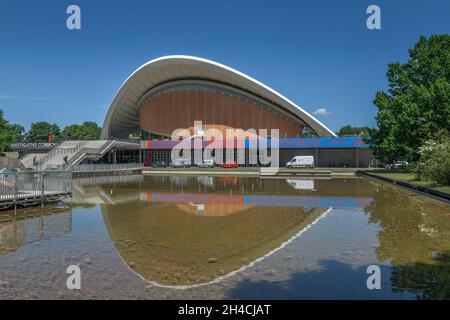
[(70, 153), (28, 160), (93, 149)]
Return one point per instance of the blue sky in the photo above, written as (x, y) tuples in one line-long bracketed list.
[(319, 54)]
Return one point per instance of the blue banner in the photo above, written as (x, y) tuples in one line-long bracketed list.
[(284, 143)]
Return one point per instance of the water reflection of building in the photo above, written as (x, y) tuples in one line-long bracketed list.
[(167, 246), (100, 189), (249, 200), (187, 231), (17, 231), (219, 196)]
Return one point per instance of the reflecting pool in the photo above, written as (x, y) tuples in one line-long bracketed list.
[(175, 237)]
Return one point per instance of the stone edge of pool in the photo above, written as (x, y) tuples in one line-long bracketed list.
[(429, 192)]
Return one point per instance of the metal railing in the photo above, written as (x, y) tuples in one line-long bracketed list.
[(24, 187), (126, 140), (83, 152), (49, 154), (60, 151), (107, 167)]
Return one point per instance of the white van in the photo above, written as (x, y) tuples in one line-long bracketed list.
[(301, 162)]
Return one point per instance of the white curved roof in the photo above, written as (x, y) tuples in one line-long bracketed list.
[(122, 116)]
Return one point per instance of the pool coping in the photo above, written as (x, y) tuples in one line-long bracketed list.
[(429, 192)]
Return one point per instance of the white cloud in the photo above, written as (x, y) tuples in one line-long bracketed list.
[(322, 112)]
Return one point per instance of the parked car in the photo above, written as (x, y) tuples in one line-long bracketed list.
[(181, 163), (207, 164), (229, 164), (398, 165), (159, 164), (301, 162)]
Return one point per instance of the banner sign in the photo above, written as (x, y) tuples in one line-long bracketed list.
[(284, 143), (33, 146)]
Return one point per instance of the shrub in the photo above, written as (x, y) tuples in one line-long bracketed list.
[(434, 161)]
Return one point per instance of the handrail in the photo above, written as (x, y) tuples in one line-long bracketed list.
[(23, 188), (86, 151), (57, 151), (48, 155), (126, 140)]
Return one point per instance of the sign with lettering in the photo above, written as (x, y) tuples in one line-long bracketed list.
[(32, 146), (284, 143)]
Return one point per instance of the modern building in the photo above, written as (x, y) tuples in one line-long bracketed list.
[(173, 92)]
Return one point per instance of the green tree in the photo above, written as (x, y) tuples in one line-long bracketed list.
[(74, 132), (87, 131), (434, 161), (5, 133), (348, 130), (18, 132), (39, 132), (9, 133), (93, 130), (417, 104)]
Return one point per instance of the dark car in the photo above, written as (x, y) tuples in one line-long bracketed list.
[(159, 164)]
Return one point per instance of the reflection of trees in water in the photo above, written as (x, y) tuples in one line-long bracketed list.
[(415, 233), (427, 281), (32, 225)]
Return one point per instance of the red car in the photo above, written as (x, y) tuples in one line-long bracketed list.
[(231, 164)]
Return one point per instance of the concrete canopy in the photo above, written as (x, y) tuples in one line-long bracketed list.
[(123, 115)]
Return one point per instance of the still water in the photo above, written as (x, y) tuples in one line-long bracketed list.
[(173, 237)]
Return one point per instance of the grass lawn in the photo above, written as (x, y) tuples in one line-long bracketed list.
[(411, 178)]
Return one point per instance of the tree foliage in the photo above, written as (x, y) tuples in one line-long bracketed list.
[(348, 130), (434, 160), (40, 131), (87, 131), (9, 133), (417, 104), (18, 132)]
